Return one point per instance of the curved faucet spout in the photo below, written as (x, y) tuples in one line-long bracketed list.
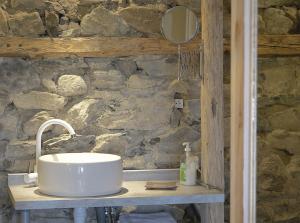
[(42, 129)]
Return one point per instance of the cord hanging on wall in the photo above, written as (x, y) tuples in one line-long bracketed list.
[(180, 25), (190, 64)]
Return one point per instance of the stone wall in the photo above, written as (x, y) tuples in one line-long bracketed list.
[(125, 105), (279, 120)]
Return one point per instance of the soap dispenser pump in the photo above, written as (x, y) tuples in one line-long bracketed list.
[(189, 165)]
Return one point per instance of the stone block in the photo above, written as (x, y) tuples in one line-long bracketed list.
[(171, 142), (102, 22), (28, 5), (39, 100), (126, 67), (65, 144), (31, 127), (20, 150), (26, 24), (3, 23), (285, 141), (270, 3), (272, 174), (277, 22), (17, 75), (71, 85), (158, 66), (70, 8), (111, 79), (288, 119), (114, 143), (143, 19), (86, 112), (9, 125), (279, 80), (138, 114)]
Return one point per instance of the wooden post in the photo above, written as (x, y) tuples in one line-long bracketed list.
[(243, 111), (212, 133)]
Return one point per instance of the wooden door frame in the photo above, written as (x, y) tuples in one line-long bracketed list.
[(243, 111)]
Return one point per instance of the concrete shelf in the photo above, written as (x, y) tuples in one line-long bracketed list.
[(25, 197)]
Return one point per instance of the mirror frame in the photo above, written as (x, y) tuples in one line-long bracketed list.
[(197, 23)]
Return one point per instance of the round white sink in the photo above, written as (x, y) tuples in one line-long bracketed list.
[(80, 174)]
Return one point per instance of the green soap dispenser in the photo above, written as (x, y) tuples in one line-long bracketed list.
[(189, 165)]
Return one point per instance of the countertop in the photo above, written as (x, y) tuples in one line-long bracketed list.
[(25, 197)]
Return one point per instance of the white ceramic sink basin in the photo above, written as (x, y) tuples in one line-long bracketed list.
[(79, 174)]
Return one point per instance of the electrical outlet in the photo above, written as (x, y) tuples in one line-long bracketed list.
[(178, 103)]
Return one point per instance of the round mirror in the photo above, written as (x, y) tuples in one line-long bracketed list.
[(179, 25)]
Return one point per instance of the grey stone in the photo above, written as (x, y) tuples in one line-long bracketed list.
[(179, 87), (55, 6), (127, 67), (294, 167), (85, 112), (49, 84), (103, 64), (140, 82), (175, 118), (192, 108), (171, 142), (3, 146), (26, 24), (157, 66), (111, 79), (261, 24), (31, 127), (9, 125), (192, 4), (18, 166), (71, 8), (52, 21), (134, 163), (4, 101), (143, 19), (73, 30), (17, 75), (3, 190), (64, 20), (39, 100), (277, 22), (27, 5), (3, 23), (285, 141), (115, 143), (291, 12), (21, 150), (139, 114), (269, 3), (71, 85), (66, 144), (288, 119), (279, 80), (103, 23), (107, 96), (272, 174)]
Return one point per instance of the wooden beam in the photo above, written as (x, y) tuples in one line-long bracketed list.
[(272, 45), (212, 132), (243, 110), (279, 45), (88, 47)]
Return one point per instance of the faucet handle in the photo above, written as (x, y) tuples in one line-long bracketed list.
[(30, 178), (29, 167)]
